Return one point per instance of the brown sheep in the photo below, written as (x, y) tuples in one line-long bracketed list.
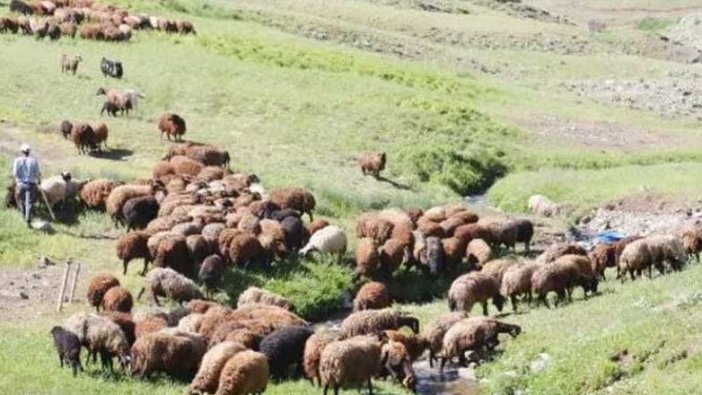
[(254, 295), (313, 352), (162, 169), (517, 282), (173, 252), (557, 250), (475, 287), (83, 138), (94, 194), (70, 63), (121, 194), (497, 268), (117, 299), (175, 353), (294, 198), (454, 251), (372, 295), (371, 321), (125, 323), (635, 258), (353, 361), (370, 225), (472, 231), (450, 224), (587, 278), (172, 125), (367, 257), (245, 250), (558, 278), (477, 334), (391, 256), (430, 228), (184, 166), (149, 325), (415, 344), (434, 333), (478, 253), (101, 134), (396, 362), (98, 286), (207, 378), (316, 225), (503, 234), (371, 162), (692, 241), (602, 257), (245, 373)]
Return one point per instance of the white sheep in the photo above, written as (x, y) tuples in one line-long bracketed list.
[(133, 96), (328, 240), (58, 189)]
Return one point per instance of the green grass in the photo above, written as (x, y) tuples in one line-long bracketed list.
[(654, 25)]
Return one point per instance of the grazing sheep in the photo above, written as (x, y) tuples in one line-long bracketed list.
[(121, 194), (111, 68), (454, 252), (116, 101), (168, 283), (245, 373), (101, 134), (558, 278), (391, 256), (372, 162), (149, 325), (191, 322), (94, 194), (246, 251), (98, 286), (475, 287), (478, 253), (172, 125), (125, 323), (541, 205), (602, 257), (254, 295), (177, 354), (372, 321), (557, 250), (99, 335), (285, 347), (525, 231), (397, 363), (70, 63), (295, 198), (587, 277), (352, 361), (329, 240), (133, 96), (59, 189), (472, 231), (117, 299), (172, 252), (415, 344), (517, 282), (635, 258), (503, 234), (477, 334), (666, 249), (372, 295), (211, 272), (207, 378), (434, 333), (371, 225), (313, 353), (316, 225), (68, 348), (139, 211), (692, 241), (21, 7)]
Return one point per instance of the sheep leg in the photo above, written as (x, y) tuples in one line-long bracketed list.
[(485, 308), (513, 298), (431, 359), (125, 263), (141, 292), (370, 387), (155, 298), (61, 359)]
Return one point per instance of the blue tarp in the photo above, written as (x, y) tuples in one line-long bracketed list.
[(609, 237)]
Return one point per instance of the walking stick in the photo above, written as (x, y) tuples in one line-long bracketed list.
[(46, 201)]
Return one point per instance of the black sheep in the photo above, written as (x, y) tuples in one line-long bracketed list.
[(111, 68), (68, 348), (525, 231), (285, 347), (174, 316), (110, 108), (280, 215), (21, 7), (211, 272), (66, 127), (139, 211), (294, 233)]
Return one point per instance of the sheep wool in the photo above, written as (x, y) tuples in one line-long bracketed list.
[(244, 373), (207, 378)]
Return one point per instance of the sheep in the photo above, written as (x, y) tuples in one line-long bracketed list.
[(516, 281), (176, 353), (131, 246), (316, 225), (449, 225), (70, 63), (559, 278), (101, 336), (525, 231), (68, 29), (475, 334), (198, 249), (372, 295), (117, 299), (372, 162), (149, 325), (201, 306), (245, 250), (94, 194), (226, 328), (191, 322), (162, 169), (98, 286), (587, 277), (208, 155), (245, 373), (392, 255), (68, 348), (371, 225), (396, 362), (294, 233), (133, 96), (475, 287), (295, 198), (101, 134), (139, 211), (435, 214), (543, 206), (635, 258), (666, 249), (116, 101), (172, 252), (284, 347), (472, 231), (121, 194), (329, 240), (254, 295), (351, 361), (168, 283), (172, 125), (454, 251), (497, 268), (211, 272), (415, 344), (109, 67), (478, 253), (371, 321), (125, 323), (602, 257), (692, 241), (434, 333), (176, 314), (557, 250), (185, 166), (21, 7), (207, 378), (53, 31), (313, 352), (503, 234), (61, 188), (185, 27)]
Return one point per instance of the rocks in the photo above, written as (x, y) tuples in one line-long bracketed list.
[(541, 362)]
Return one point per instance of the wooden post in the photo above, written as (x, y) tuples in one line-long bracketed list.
[(63, 287), (74, 283)]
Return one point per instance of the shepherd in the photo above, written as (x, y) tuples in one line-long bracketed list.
[(25, 170)]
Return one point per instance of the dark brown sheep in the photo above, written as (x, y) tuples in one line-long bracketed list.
[(97, 287), (295, 198), (133, 245), (372, 162), (172, 125), (117, 299), (372, 295)]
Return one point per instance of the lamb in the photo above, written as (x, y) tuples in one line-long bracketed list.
[(101, 134), (351, 361), (517, 282), (284, 347), (478, 253), (168, 283), (207, 378), (329, 240), (68, 348), (94, 193), (414, 344), (59, 189), (371, 225), (116, 99), (476, 334), (110, 108), (475, 287), (372, 162), (559, 278), (133, 96), (70, 63), (316, 225), (245, 373), (117, 299), (372, 295), (294, 233), (371, 321), (525, 231), (211, 272), (254, 295), (175, 353), (295, 198), (98, 286), (139, 211), (396, 362), (434, 333), (313, 352), (100, 335), (172, 125)]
